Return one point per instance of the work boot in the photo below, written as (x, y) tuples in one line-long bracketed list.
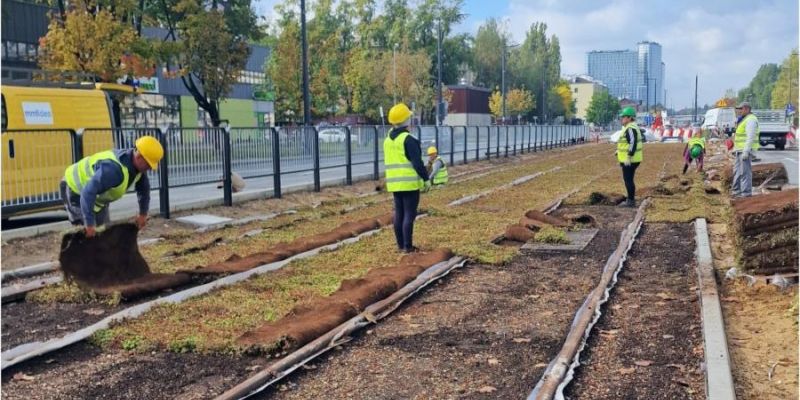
[(630, 203), (412, 249)]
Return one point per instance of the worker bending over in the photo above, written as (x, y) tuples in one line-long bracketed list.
[(694, 150), (93, 183)]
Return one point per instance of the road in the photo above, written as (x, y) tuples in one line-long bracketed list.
[(788, 157)]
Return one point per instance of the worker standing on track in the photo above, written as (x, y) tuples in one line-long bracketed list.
[(745, 141), (93, 183), (437, 168), (695, 150), (405, 175), (629, 152)]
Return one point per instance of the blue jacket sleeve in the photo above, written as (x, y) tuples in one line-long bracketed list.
[(414, 154), (143, 194), (107, 175)]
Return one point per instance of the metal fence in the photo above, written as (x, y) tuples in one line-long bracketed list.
[(34, 160)]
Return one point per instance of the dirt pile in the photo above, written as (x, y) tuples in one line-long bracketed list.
[(282, 251), (605, 199), (306, 322), (110, 262), (766, 228), (770, 173)]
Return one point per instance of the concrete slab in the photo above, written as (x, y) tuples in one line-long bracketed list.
[(578, 240), (203, 219)]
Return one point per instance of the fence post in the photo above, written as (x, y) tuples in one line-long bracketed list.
[(77, 144), (348, 157), (276, 163), (497, 130), (227, 189), (452, 146), (488, 142), (515, 140), (506, 128), (375, 171), (163, 172), (435, 139), (317, 186), (466, 144)]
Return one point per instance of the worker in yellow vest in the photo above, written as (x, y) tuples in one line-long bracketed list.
[(629, 152), (745, 141), (405, 175), (437, 168), (90, 185)]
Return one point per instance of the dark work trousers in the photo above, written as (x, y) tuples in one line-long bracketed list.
[(405, 212), (627, 176)]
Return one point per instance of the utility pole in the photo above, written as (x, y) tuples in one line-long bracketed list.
[(694, 118), (306, 99), (503, 81), (439, 73), (394, 74)]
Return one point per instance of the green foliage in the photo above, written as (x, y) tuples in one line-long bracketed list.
[(538, 57), (786, 87), (487, 54), (603, 108), (552, 235), (759, 92)]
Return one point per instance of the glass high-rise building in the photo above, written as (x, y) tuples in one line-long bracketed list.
[(631, 74)]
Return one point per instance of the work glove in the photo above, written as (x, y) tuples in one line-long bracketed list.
[(628, 161), (427, 187), (745, 155), (141, 221), (90, 231)]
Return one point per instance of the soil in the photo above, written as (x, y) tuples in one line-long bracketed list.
[(653, 319), (84, 372), (485, 331), (23, 252), (24, 322), (761, 330)]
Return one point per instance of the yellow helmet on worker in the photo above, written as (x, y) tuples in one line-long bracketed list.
[(150, 149), (432, 150), (399, 114)]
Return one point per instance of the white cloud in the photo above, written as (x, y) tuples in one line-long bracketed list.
[(723, 41)]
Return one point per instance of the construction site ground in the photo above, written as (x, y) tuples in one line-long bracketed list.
[(488, 330)]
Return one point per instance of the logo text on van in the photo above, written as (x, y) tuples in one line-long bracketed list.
[(37, 113)]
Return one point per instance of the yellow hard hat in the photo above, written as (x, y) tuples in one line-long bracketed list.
[(399, 113), (432, 150), (150, 148)]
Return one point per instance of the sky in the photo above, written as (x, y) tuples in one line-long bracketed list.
[(722, 41)]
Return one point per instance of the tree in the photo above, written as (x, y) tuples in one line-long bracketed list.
[(759, 91), (786, 90), (518, 102), (94, 42), (207, 45), (365, 80), (603, 108), (536, 64), (487, 54), (561, 100), (284, 72)]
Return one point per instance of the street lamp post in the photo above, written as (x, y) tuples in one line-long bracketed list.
[(306, 99), (439, 72), (394, 73), (503, 77)]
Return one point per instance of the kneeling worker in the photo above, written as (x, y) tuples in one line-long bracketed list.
[(437, 169), (405, 175), (90, 185)]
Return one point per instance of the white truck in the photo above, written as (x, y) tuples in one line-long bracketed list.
[(771, 123), (773, 127)]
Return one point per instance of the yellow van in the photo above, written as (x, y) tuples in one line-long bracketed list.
[(37, 141)]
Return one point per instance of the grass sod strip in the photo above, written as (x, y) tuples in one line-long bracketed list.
[(305, 222), (211, 323)]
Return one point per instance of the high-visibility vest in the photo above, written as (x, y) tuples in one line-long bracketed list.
[(740, 137), (623, 145), (400, 174), (441, 176), (79, 174), (697, 142)]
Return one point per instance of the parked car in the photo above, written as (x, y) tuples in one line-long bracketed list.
[(335, 134)]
